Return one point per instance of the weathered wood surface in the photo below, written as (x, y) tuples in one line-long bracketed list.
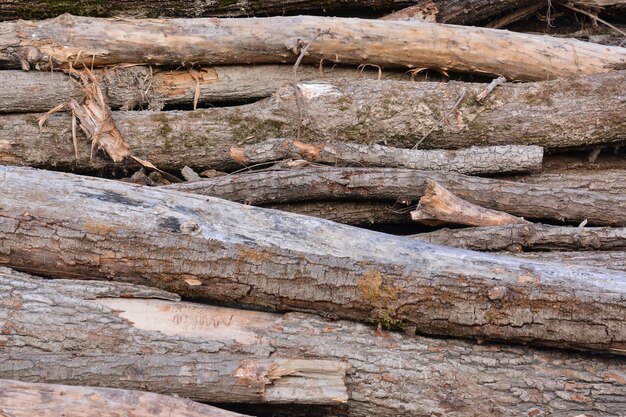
[(439, 206), (599, 259), (23, 399), (325, 183), (142, 87), (610, 181), (56, 322), (62, 225), (70, 40), (530, 237), (473, 160), (108, 351), (392, 113)]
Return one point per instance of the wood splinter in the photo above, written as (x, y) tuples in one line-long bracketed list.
[(439, 206)]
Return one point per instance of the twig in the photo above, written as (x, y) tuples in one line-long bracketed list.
[(594, 17), (492, 85), (443, 119), (297, 91)]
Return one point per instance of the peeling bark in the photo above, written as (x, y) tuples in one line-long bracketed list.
[(309, 184), (70, 40), (21, 399), (474, 160), (530, 237), (61, 225), (392, 113), (389, 373), (141, 87)]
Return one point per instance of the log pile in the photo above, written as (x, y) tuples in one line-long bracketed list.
[(377, 208)]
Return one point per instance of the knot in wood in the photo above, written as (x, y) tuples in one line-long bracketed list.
[(497, 293), (189, 227)]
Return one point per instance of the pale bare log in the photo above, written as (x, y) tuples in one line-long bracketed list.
[(530, 237), (599, 259), (174, 42), (23, 399), (50, 324), (439, 206), (474, 160), (545, 201), (63, 225)]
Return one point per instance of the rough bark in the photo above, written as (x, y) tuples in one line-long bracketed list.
[(474, 160), (21, 399), (390, 113), (608, 259), (606, 181), (69, 40), (546, 201), (218, 250), (142, 87), (439, 206), (529, 237), (389, 373), (358, 213)]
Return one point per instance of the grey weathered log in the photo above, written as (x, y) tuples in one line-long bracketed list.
[(51, 322), (23, 399), (392, 113), (530, 237), (545, 201), (142, 87), (66, 226), (473, 160), (599, 259), (611, 181), (76, 41)]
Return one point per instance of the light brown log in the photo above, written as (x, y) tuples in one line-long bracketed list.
[(102, 42), (325, 183), (530, 237), (58, 325), (142, 87), (439, 206), (474, 160), (22, 399), (390, 113), (64, 225)]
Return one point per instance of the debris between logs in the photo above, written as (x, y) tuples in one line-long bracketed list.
[(59, 318), (218, 250), (92, 42)]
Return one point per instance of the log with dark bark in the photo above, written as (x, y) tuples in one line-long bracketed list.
[(23, 399), (142, 87), (473, 160), (62, 225), (358, 213), (392, 113), (50, 324), (76, 41), (530, 237), (325, 183)]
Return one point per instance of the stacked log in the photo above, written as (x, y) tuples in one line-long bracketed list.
[(188, 192)]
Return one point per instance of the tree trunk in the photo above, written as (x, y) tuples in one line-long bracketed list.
[(75, 41), (141, 87), (529, 237), (21, 399), (360, 112), (606, 181), (308, 184), (606, 259), (67, 226), (50, 324), (474, 160)]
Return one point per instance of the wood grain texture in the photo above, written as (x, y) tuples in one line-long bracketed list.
[(70, 40), (545, 201), (23, 399), (62, 225), (51, 333)]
